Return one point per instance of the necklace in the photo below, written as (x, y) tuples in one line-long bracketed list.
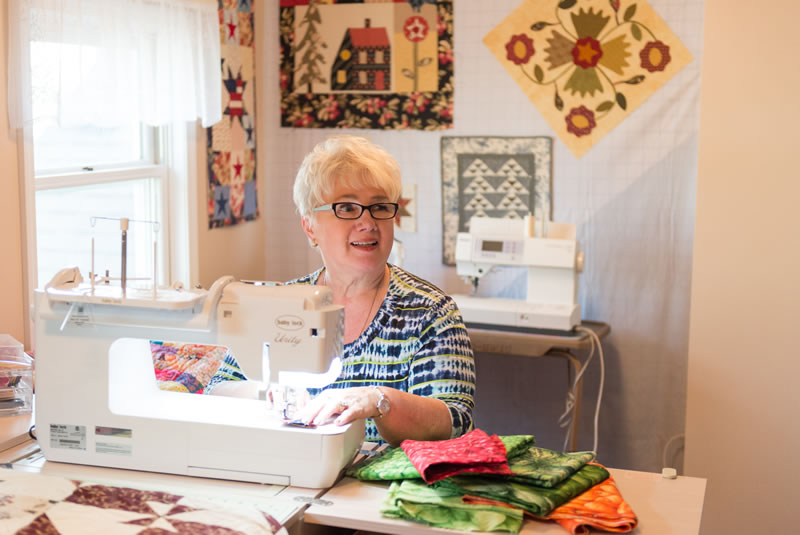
[(371, 306), (374, 298)]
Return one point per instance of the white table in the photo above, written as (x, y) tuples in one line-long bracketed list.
[(663, 506)]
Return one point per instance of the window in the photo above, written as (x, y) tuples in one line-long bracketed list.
[(87, 177), (84, 78)]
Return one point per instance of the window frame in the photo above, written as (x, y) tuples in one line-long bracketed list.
[(179, 198)]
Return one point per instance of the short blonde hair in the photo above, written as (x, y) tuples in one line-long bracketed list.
[(352, 160)]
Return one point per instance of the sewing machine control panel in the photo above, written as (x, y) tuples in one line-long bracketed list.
[(498, 250)]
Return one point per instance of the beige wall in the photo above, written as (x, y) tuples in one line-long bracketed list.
[(10, 234), (742, 429)]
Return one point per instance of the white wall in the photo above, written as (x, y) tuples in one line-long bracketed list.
[(742, 427)]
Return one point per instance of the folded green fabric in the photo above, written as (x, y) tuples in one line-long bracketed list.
[(393, 463), (536, 500), (442, 507), (546, 468)]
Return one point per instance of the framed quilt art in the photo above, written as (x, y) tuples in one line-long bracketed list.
[(366, 64), (494, 177), (587, 64)]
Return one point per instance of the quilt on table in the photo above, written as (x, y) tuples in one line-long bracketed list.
[(186, 367), (35, 504)]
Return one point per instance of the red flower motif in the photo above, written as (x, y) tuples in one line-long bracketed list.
[(519, 49), (587, 52), (655, 56), (415, 28), (580, 121), (446, 57)]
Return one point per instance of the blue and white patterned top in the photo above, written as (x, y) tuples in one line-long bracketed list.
[(417, 343)]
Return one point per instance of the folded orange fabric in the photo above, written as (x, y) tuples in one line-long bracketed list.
[(601, 507)]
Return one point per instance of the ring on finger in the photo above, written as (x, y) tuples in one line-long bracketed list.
[(343, 403)]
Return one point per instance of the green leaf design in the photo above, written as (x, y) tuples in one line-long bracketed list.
[(604, 106), (408, 74), (424, 61), (538, 73), (638, 79), (622, 101), (629, 12), (566, 4), (558, 102), (540, 25), (636, 32)]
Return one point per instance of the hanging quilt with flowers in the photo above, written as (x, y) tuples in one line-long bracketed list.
[(587, 64), (232, 141), (381, 64)]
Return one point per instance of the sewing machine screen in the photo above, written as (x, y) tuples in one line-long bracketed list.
[(492, 246)]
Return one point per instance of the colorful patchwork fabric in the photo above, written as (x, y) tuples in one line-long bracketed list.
[(393, 463), (185, 367), (443, 508), (538, 501), (476, 452), (547, 468)]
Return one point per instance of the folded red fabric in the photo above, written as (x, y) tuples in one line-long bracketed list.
[(475, 452)]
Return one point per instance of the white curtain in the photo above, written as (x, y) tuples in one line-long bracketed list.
[(114, 61)]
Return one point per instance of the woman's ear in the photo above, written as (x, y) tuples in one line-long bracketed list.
[(308, 228)]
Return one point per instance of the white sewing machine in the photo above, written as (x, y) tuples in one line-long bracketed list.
[(549, 251), (97, 401)]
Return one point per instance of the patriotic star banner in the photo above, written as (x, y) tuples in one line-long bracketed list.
[(232, 141), (587, 64)]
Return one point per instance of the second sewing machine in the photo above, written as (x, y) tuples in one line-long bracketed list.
[(553, 260)]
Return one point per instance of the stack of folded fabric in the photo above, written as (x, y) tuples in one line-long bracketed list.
[(479, 482)]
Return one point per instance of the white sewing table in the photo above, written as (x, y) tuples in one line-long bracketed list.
[(663, 507), (499, 340)]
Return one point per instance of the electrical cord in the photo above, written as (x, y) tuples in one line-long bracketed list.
[(666, 449), (565, 420)]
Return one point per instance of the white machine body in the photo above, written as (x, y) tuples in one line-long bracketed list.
[(552, 258), (98, 403)]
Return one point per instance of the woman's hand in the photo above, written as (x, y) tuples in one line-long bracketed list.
[(341, 406)]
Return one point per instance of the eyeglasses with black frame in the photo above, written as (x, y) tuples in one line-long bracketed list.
[(353, 210)]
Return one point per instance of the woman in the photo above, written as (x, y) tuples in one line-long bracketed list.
[(408, 366)]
